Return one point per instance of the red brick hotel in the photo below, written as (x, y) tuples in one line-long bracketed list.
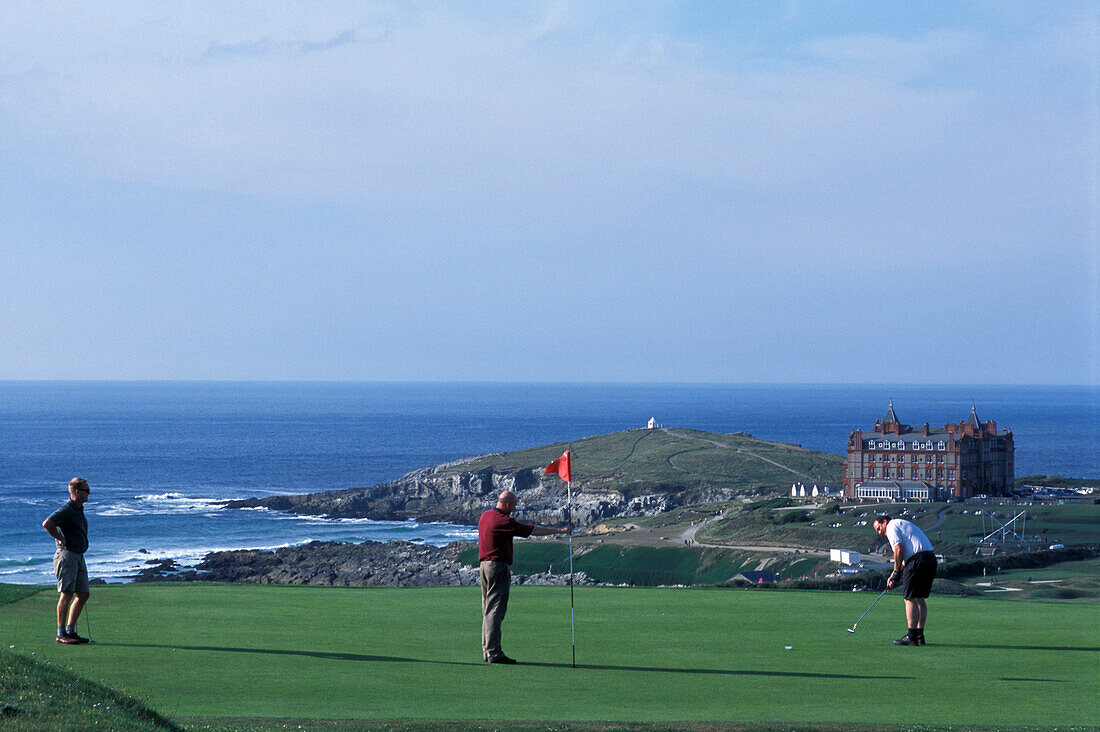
[(896, 462)]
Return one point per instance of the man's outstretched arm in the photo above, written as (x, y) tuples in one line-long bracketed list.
[(547, 530)]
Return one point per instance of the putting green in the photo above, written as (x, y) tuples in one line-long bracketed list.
[(642, 654)]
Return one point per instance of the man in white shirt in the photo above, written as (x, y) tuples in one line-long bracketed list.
[(914, 567)]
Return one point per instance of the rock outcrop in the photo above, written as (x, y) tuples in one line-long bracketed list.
[(369, 564)]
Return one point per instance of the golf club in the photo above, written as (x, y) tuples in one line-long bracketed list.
[(853, 628), (87, 624)]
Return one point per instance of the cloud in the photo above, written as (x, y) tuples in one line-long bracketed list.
[(347, 36), (266, 46)]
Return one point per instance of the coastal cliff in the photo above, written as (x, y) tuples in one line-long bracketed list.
[(630, 473), (441, 494)]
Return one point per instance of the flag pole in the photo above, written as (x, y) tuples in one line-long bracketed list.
[(564, 470), (572, 620)]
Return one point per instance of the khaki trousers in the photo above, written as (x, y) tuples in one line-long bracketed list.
[(496, 579)]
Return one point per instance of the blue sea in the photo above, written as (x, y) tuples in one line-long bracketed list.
[(160, 455)]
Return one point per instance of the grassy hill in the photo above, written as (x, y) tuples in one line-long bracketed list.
[(642, 461), (276, 657)]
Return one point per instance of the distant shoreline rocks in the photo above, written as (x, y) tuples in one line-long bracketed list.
[(330, 563)]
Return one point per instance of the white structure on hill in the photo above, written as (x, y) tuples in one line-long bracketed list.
[(845, 557), (799, 490), (652, 425)]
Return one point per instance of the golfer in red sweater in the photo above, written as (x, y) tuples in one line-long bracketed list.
[(495, 531)]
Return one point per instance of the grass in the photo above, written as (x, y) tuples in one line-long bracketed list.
[(43, 695), (253, 656), (1055, 481), (1066, 582), (1072, 523), (647, 566), (763, 523), (11, 593)]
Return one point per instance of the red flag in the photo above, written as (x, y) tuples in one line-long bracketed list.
[(561, 467)]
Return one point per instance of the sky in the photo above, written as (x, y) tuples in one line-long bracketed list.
[(551, 191)]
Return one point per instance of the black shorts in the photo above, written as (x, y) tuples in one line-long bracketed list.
[(917, 575)]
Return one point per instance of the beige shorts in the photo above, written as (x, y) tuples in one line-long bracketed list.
[(71, 571)]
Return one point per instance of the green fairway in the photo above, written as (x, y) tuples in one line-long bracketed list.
[(222, 651)]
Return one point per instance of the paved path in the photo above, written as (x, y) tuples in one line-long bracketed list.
[(940, 518), (688, 534)]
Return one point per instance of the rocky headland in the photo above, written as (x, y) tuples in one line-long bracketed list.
[(631, 473)]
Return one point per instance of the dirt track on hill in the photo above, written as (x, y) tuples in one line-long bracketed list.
[(668, 431), (676, 536)]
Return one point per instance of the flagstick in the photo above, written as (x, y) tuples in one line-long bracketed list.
[(572, 620)]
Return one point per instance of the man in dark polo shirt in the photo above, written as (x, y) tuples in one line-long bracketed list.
[(68, 526), (495, 531)]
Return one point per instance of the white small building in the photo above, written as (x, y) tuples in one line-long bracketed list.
[(845, 557), (652, 424), (799, 490)]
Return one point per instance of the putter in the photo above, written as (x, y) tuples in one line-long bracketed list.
[(853, 628), (88, 624)]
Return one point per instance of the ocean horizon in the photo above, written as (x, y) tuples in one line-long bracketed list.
[(161, 455)]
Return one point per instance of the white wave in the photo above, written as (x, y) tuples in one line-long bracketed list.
[(116, 510), (327, 521), (33, 501), (30, 561), (159, 504), (23, 575)]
